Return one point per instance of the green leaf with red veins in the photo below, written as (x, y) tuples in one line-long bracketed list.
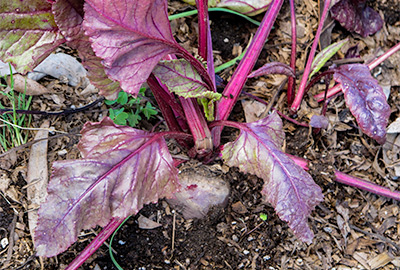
[(122, 169), (28, 33), (69, 18), (365, 99), (131, 36), (290, 190), (182, 79)]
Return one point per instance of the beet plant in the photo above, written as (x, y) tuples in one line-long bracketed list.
[(124, 44)]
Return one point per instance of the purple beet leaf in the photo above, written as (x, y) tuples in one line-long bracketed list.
[(28, 33), (365, 99), (356, 16), (273, 68), (122, 169), (248, 7), (181, 78), (69, 17), (131, 36), (290, 190)]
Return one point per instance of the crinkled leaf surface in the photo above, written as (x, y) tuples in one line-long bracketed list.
[(356, 16), (122, 169), (69, 18), (365, 99), (131, 36), (323, 56), (273, 68), (248, 7), (290, 190), (182, 79), (28, 33)]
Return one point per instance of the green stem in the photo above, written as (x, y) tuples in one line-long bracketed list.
[(116, 264), (230, 63), (194, 12)]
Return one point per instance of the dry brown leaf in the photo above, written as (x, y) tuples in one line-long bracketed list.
[(7, 161), (4, 181), (343, 221), (37, 176), (27, 86), (253, 110), (239, 208), (147, 224)]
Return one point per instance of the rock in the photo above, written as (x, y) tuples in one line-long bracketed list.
[(202, 188)]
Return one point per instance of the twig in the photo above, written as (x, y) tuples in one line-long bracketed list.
[(11, 239), (173, 233), (377, 235), (5, 198)]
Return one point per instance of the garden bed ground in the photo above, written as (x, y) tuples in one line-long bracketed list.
[(353, 229)]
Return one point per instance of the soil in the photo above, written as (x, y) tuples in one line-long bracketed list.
[(353, 229)]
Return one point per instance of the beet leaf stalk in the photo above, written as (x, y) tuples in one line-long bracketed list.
[(292, 81), (95, 244), (239, 77), (303, 83)]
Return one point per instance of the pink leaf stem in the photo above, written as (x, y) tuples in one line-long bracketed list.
[(196, 122), (95, 244), (198, 125), (205, 42), (239, 77), (299, 97), (292, 81), (337, 88), (354, 181), (170, 109), (202, 20)]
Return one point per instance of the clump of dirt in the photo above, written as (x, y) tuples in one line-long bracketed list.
[(226, 31)]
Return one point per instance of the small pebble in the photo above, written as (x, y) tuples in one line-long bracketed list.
[(62, 152), (235, 238), (246, 252), (250, 238), (266, 257), (121, 242), (4, 242), (328, 229), (299, 262), (226, 40)]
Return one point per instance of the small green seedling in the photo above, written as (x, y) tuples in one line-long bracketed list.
[(123, 113), (263, 216), (12, 125)]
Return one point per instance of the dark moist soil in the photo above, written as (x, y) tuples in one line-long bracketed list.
[(353, 229)]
